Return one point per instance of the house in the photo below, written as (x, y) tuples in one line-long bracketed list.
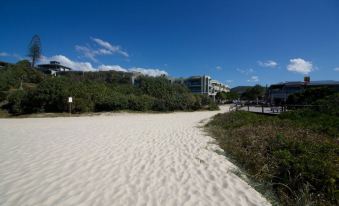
[(219, 87), (3, 64), (199, 84), (205, 85), (196, 84), (53, 68), (278, 93)]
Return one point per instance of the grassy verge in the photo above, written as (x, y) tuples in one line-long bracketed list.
[(297, 161)]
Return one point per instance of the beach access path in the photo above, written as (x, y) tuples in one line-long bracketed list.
[(117, 159)]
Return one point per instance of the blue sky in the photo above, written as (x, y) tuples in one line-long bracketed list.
[(237, 42)]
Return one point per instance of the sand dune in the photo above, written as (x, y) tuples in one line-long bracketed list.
[(116, 159)]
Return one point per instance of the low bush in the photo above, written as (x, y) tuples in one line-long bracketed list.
[(82, 105), (140, 103), (16, 100), (298, 163), (320, 122)]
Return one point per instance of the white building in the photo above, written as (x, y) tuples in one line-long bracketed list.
[(205, 85)]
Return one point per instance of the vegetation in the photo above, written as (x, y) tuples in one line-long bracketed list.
[(226, 96), (34, 51), (295, 154), (240, 89), (25, 90), (310, 96), (254, 93), (249, 93)]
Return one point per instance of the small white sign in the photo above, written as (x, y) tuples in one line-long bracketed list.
[(70, 99)]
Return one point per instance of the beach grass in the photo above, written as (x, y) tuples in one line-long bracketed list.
[(298, 164)]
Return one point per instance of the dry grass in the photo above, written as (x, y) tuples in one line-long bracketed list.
[(300, 165)]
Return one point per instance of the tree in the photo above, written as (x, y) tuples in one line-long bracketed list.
[(226, 96), (253, 93), (232, 96), (34, 51), (220, 96)]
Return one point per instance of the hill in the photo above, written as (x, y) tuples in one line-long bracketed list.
[(25, 90), (240, 89)]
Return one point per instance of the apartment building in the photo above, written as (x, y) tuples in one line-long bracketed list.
[(205, 85)]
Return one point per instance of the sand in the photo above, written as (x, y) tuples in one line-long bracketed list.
[(117, 159)]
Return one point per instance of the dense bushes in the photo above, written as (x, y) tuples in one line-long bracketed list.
[(321, 116), (226, 96), (328, 105), (297, 161), (140, 103), (310, 96), (51, 96), (16, 101), (320, 122), (253, 93), (28, 91), (12, 76)]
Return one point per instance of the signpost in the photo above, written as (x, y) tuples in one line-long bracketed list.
[(70, 100)]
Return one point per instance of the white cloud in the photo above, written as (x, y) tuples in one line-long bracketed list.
[(87, 52), (4, 54), (268, 64), (16, 56), (336, 69), (110, 48), (149, 72), (87, 66), (78, 66), (111, 67), (101, 47), (219, 68), (104, 51), (300, 66), (253, 79), (245, 71)]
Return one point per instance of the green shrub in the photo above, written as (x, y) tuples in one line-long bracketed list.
[(213, 106), (112, 102), (81, 105), (94, 91), (3, 95), (301, 165), (15, 101), (317, 121), (160, 105), (140, 103), (310, 96), (329, 105), (51, 95), (11, 76)]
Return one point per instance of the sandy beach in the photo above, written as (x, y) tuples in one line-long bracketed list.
[(117, 159)]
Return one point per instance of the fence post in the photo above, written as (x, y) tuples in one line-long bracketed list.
[(262, 108), (248, 107)]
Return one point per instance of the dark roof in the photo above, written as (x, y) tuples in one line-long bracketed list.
[(4, 63), (52, 66)]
